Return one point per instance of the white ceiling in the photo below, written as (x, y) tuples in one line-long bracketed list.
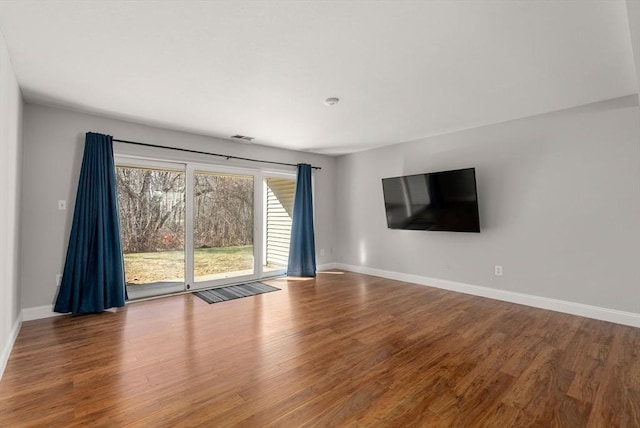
[(403, 69)]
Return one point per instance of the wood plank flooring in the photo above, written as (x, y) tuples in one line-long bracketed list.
[(342, 350)]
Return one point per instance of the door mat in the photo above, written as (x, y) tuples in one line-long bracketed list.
[(231, 292)]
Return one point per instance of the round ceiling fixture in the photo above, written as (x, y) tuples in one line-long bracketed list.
[(332, 101)]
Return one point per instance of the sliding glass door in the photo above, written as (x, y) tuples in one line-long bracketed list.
[(186, 226), (223, 227), (151, 203)]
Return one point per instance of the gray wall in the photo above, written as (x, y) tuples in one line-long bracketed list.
[(53, 145), (559, 200), (10, 165)]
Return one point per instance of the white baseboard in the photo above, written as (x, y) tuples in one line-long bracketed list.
[(6, 351), (327, 266), (596, 312), (38, 312)]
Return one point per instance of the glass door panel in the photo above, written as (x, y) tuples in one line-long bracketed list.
[(151, 204), (223, 213)]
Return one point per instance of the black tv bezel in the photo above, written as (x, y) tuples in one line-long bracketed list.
[(475, 185)]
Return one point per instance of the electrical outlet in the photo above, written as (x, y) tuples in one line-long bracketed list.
[(58, 280), (322, 251), (498, 270), (62, 204)]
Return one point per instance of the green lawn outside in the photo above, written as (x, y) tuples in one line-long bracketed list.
[(146, 268)]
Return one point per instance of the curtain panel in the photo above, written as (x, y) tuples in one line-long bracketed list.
[(302, 249), (93, 276)]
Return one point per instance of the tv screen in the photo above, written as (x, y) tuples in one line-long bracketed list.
[(445, 201)]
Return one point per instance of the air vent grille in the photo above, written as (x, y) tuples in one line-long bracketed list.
[(242, 138)]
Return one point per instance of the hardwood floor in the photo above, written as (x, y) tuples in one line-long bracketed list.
[(342, 350)]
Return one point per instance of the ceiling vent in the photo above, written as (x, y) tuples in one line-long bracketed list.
[(242, 138), (332, 101)]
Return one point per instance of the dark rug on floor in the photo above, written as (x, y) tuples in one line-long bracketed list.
[(231, 292)]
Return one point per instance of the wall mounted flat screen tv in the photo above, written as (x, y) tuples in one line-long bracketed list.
[(445, 201)]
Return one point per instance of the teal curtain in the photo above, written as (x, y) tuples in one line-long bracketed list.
[(93, 276), (302, 248)]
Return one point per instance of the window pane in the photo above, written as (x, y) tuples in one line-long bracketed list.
[(152, 214), (279, 193)]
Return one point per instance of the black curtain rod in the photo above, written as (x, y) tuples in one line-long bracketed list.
[(207, 153)]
